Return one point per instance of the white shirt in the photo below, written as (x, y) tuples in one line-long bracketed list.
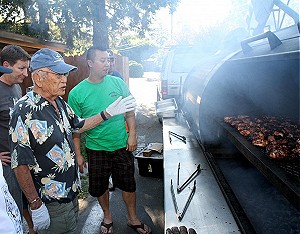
[(10, 218)]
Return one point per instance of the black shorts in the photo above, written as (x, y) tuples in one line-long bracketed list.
[(102, 164)]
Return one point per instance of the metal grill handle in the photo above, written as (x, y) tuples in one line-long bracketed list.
[(273, 40)]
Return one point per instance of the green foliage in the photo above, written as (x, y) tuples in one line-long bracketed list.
[(137, 48), (135, 69), (79, 22), (83, 193), (82, 146), (138, 53)]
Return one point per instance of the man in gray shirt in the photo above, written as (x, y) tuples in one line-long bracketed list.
[(17, 59)]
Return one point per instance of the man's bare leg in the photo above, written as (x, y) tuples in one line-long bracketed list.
[(104, 203), (130, 202)]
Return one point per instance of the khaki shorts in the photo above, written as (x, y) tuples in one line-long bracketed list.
[(63, 217)]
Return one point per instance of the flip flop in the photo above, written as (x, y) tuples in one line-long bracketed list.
[(108, 227), (140, 226)]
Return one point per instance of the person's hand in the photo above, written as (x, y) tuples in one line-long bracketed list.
[(5, 158), (131, 144), (121, 106), (81, 162), (40, 218), (180, 230)]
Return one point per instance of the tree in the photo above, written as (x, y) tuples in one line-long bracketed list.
[(137, 49), (100, 24), (71, 21)]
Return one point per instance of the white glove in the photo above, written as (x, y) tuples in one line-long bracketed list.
[(40, 218), (120, 106)]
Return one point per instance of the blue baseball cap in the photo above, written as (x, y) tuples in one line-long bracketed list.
[(5, 70), (50, 59)]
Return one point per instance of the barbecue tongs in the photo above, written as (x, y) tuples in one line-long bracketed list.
[(188, 180), (178, 213), (180, 188), (182, 138)]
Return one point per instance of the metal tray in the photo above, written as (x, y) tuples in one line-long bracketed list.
[(166, 108)]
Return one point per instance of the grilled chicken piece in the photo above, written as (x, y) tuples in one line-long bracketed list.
[(246, 132), (296, 151), (242, 126), (271, 138), (277, 133), (261, 142), (279, 152), (229, 119)]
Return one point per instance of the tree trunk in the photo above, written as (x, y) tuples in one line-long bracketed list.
[(44, 27), (100, 25)]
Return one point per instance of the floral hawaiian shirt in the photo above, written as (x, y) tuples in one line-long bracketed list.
[(41, 137)]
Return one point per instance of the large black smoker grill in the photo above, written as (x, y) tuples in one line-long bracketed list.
[(261, 79)]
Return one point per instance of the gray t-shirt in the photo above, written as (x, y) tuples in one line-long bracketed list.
[(8, 97)]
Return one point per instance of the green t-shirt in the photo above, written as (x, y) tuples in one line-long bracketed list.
[(88, 99)]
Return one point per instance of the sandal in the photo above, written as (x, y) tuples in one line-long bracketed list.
[(140, 226), (108, 227)]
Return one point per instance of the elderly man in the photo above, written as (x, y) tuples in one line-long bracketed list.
[(43, 153), (10, 217)]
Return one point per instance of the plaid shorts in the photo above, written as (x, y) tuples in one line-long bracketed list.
[(102, 164)]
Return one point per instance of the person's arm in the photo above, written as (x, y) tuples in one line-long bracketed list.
[(39, 212), (92, 122), (120, 106), (132, 140), (25, 181), (79, 157)]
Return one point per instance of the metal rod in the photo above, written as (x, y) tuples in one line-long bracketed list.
[(184, 141), (175, 134), (138, 151), (178, 175), (174, 201), (188, 180), (180, 217), (183, 138)]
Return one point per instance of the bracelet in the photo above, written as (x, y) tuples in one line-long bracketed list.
[(103, 116), (35, 200)]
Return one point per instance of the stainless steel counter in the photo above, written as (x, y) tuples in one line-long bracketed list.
[(208, 211)]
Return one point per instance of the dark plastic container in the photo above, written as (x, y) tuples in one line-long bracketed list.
[(151, 166)]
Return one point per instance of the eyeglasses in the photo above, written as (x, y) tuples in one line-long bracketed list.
[(59, 76)]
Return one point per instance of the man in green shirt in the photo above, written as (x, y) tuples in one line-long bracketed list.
[(109, 147)]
